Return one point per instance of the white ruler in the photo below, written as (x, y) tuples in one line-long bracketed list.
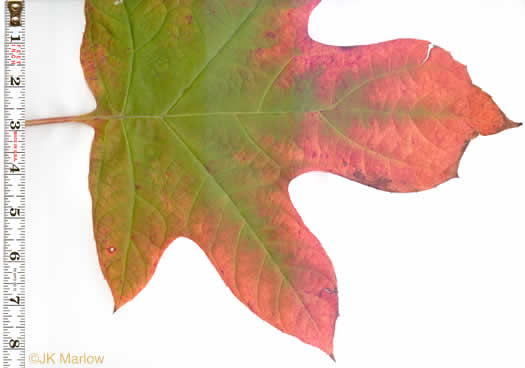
[(14, 248)]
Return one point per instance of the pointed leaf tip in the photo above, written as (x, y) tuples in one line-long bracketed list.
[(511, 124), (216, 170)]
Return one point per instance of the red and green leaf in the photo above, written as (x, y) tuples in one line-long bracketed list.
[(206, 110)]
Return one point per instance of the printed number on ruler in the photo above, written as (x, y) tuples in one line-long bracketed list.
[(14, 251)]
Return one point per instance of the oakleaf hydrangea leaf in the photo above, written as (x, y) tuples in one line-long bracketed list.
[(207, 109)]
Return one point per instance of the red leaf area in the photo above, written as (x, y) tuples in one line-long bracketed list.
[(393, 116), (417, 116), (388, 118)]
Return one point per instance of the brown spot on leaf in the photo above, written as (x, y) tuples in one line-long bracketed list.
[(381, 183), (328, 291), (358, 175)]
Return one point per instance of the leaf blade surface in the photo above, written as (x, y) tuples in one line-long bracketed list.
[(207, 109)]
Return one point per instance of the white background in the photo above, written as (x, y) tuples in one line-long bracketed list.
[(432, 279)]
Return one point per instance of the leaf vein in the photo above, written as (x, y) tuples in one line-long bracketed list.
[(188, 87), (258, 281), (156, 33), (235, 260), (195, 199), (133, 206), (132, 61), (354, 143), (164, 221), (263, 98), (250, 138)]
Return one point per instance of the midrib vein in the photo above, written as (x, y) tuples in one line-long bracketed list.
[(239, 113), (132, 212), (130, 157)]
